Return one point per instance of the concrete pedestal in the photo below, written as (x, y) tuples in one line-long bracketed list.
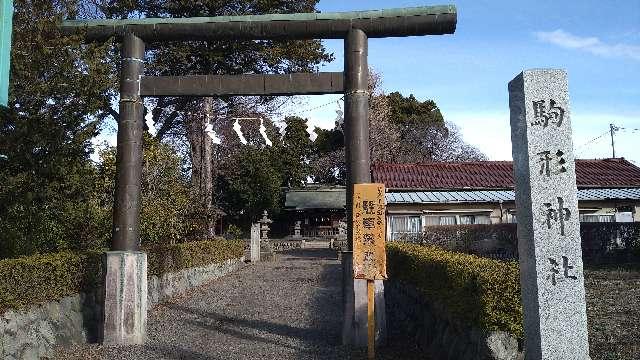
[(255, 243), (125, 298), (354, 300)]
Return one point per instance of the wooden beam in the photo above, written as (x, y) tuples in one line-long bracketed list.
[(417, 21), (243, 85)]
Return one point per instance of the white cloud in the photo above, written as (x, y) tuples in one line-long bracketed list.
[(592, 45)]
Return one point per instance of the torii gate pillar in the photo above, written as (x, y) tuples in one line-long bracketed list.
[(125, 285), (356, 131)]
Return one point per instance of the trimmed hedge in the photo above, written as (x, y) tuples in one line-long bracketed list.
[(42, 278), (474, 290), (169, 258)]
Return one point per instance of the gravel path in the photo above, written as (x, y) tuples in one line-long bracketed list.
[(289, 309)]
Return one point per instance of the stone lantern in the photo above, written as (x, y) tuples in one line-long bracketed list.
[(264, 226), (297, 230)]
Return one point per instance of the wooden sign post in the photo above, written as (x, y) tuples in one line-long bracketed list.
[(369, 256)]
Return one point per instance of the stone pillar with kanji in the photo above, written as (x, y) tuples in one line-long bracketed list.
[(550, 254)]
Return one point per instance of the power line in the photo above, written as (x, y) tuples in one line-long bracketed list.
[(592, 140), (627, 129), (613, 129), (317, 107)]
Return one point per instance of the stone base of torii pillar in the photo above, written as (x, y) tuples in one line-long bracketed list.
[(124, 320)]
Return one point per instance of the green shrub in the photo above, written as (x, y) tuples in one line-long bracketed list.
[(474, 290), (167, 205), (170, 258), (42, 278), (233, 232)]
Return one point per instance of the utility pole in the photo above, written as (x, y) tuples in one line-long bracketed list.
[(613, 129)]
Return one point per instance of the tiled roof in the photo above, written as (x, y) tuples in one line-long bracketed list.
[(485, 196), (605, 173)]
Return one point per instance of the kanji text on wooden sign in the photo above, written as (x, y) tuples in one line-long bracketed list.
[(369, 257)]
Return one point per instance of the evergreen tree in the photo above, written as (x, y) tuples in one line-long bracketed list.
[(57, 90), (408, 112), (253, 187), (401, 130), (294, 152)]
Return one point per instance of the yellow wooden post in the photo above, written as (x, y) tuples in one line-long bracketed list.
[(371, 320), (369, 257)]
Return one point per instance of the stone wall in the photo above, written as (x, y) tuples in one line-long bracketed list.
[(284, 245), (162, 288), (412, 318), (278, 245), (33, 333), (339, 245), (602, 243)]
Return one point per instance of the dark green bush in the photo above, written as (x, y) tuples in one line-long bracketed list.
[(42, 278), (474, 290), (168, 212), (169, 258)]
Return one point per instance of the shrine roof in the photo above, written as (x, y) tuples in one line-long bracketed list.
[(597, 173), (316, 197)]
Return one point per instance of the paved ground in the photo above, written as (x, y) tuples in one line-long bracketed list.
[(289, 309)]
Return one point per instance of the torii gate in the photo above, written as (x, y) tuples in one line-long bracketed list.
[(126, 268)]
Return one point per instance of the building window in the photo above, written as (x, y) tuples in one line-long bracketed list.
[(455, 219), (597, 218), (403, 226), (624, 216), (448, 220), (474, 219)]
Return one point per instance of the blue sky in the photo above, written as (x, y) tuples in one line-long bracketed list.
[(597, 42)]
